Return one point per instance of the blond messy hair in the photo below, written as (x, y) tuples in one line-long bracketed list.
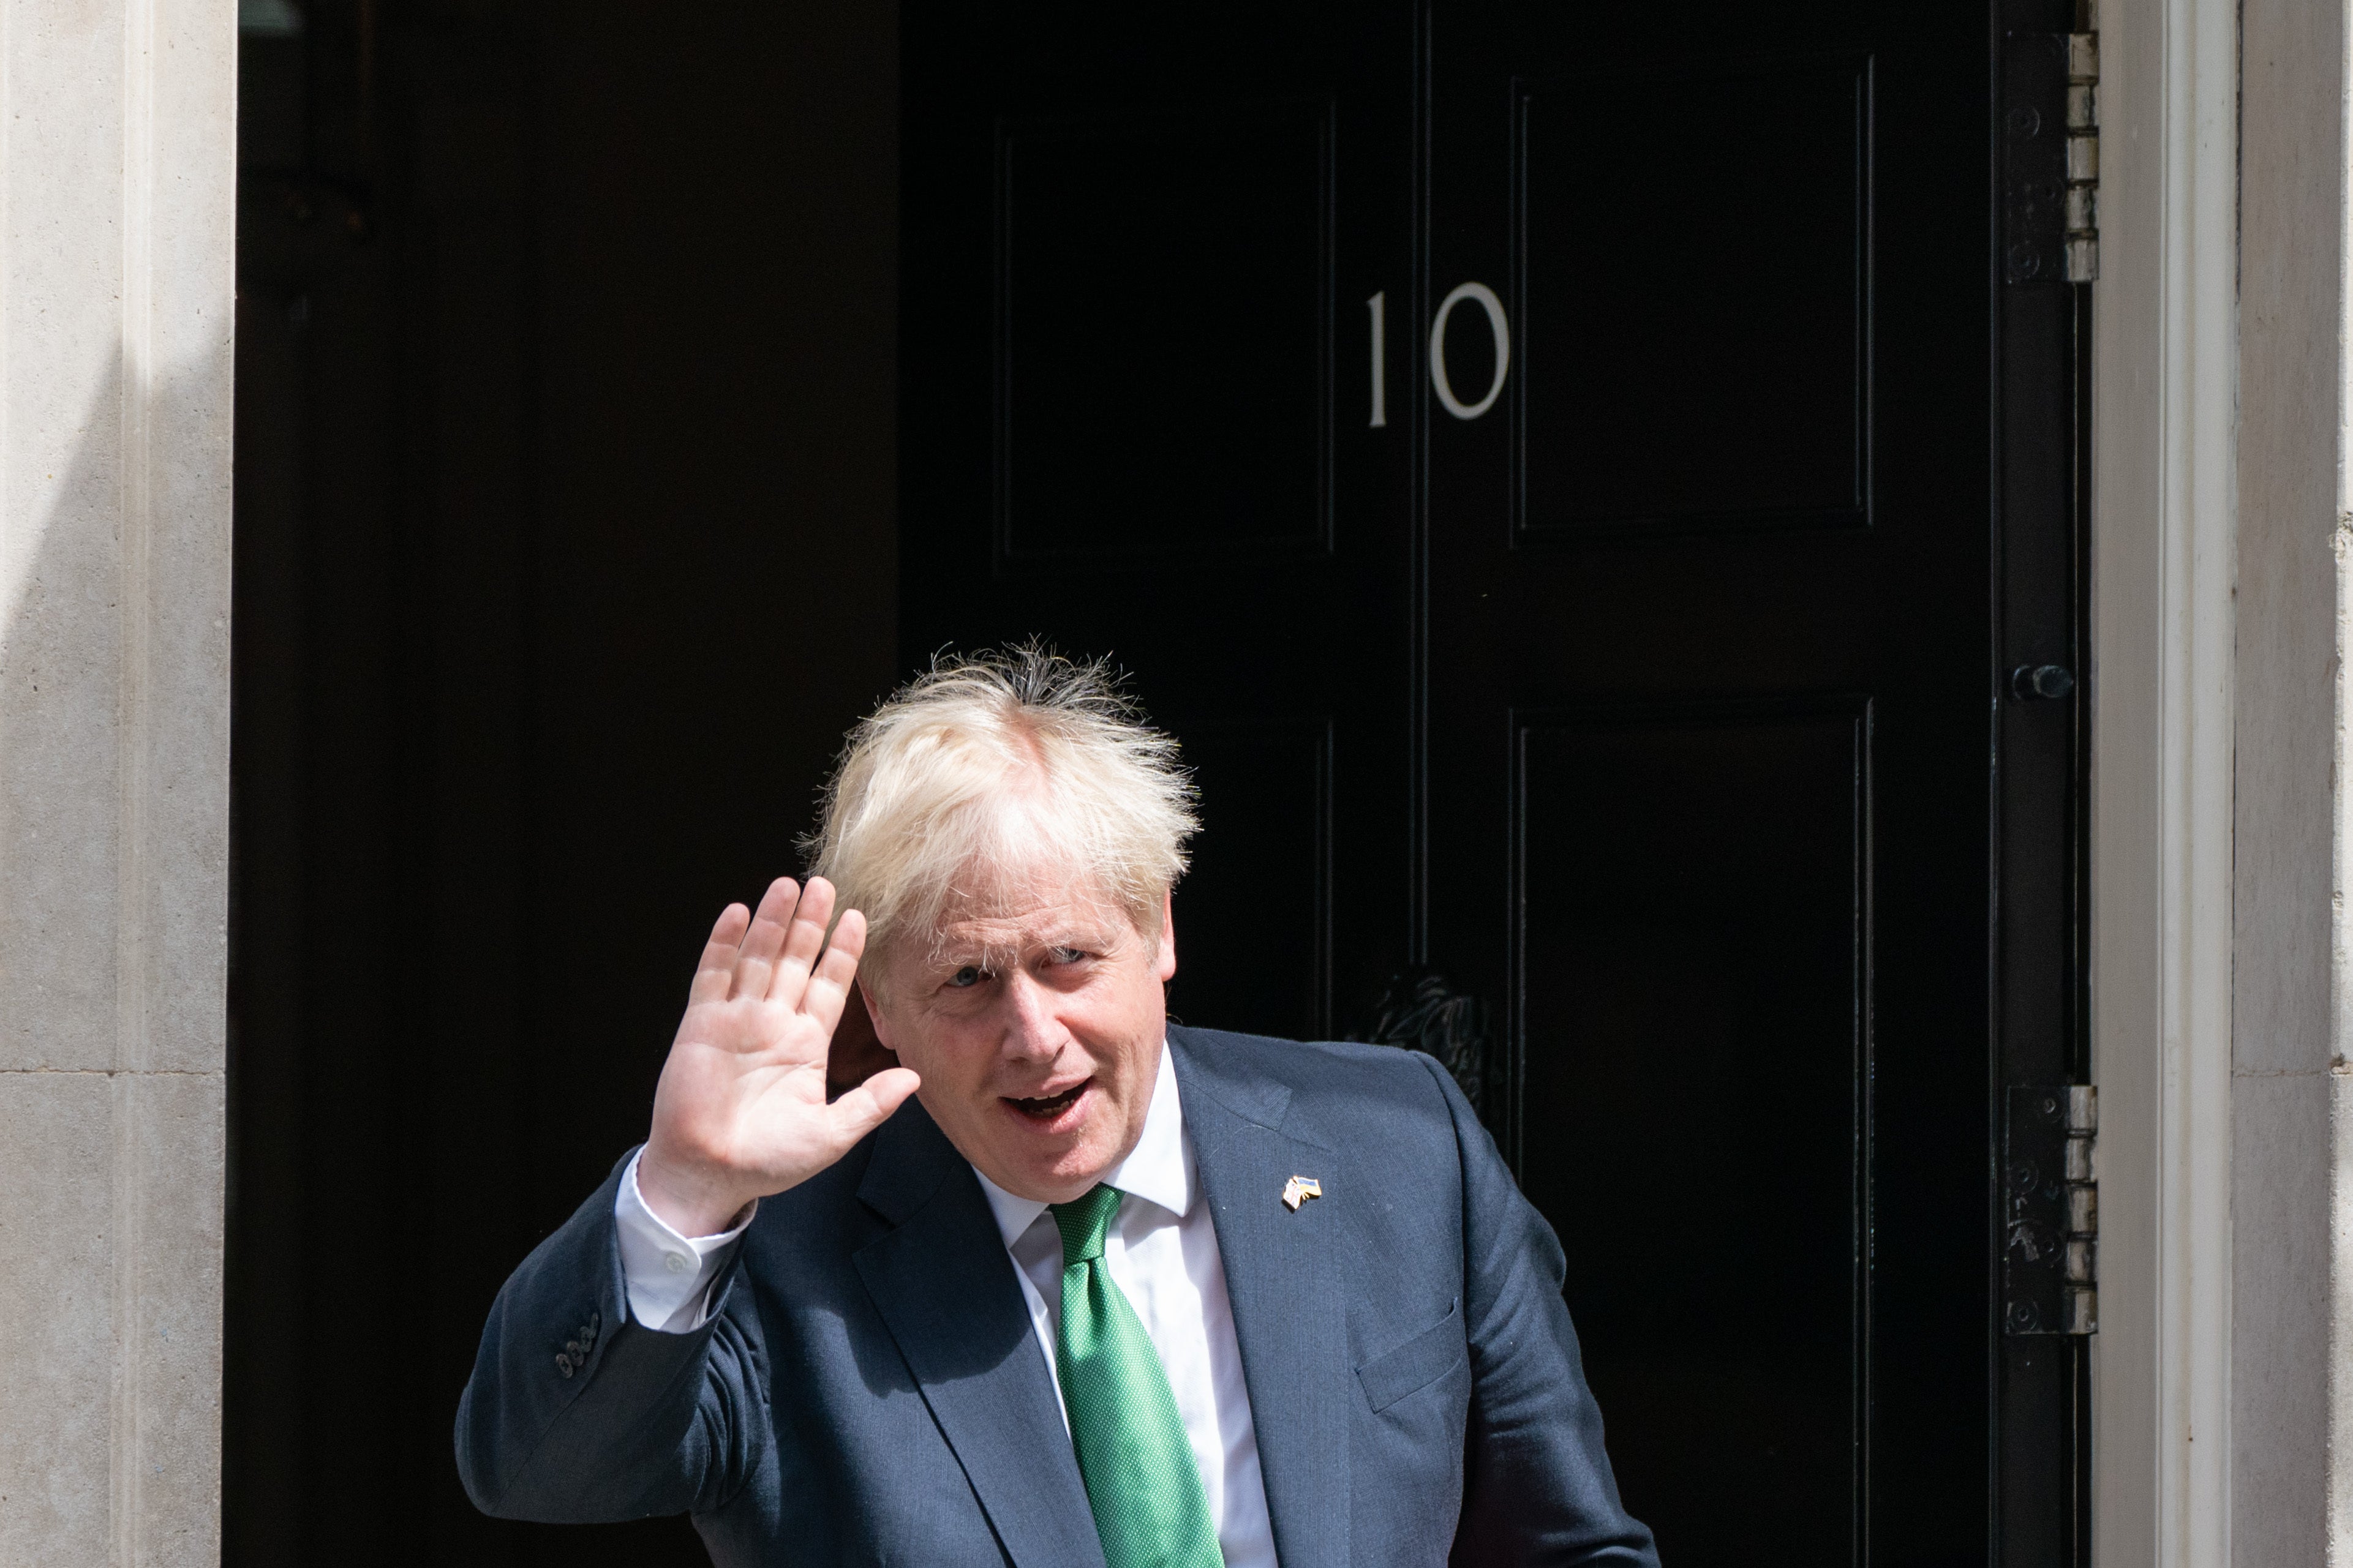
[(995, 770)]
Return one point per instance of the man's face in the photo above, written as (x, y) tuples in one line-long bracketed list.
[(1035, 1022)]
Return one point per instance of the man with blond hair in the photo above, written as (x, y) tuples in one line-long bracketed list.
[(1069, 1286)]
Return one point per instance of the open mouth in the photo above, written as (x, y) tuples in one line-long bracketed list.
[(1045, 1108)]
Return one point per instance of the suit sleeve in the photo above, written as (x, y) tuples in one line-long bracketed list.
[(1537, 1487), (577, 1415)]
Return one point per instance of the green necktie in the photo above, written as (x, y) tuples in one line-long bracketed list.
[(1140, 1479)]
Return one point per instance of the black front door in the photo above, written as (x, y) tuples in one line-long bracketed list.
[(1576, 482)]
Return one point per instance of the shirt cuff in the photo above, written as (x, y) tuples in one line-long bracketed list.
[(669, 1274)]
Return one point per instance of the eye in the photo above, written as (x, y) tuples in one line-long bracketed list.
[(1066, 954), (970, 974)]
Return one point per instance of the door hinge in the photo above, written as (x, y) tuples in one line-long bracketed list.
[(2051, 158), (2050, 1201)]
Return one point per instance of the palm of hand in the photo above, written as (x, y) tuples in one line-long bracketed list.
[(751, 1074), (741, 1110)]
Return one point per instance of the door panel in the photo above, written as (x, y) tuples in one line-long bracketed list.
[(1693, 294), (1254, 938), (1693, 890), (1783, 502), (1139, 253)]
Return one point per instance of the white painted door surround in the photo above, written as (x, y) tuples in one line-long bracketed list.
[(2219, 819)]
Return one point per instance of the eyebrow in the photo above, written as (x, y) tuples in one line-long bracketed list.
[(994, 953)]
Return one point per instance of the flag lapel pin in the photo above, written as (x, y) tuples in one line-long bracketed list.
[(1298, 1189)]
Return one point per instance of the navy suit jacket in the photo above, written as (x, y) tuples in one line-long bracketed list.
[(868, 1388)]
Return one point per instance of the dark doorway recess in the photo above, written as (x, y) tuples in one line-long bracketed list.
[(564, 555), (1640, 663)]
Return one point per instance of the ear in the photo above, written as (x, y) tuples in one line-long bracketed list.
[(874, 1012), (1165, 965)]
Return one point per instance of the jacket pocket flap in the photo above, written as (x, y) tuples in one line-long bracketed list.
[(1415, 1364)]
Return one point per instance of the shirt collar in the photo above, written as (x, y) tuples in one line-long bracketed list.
[(1159, 1169)]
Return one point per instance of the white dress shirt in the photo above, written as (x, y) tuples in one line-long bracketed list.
[(1162, 1253), (669, 1276)]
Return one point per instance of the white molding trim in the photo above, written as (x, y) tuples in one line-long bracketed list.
[(2162, 629)]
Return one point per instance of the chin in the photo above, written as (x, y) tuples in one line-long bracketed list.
[(1071, 1173), (1075, 1165)]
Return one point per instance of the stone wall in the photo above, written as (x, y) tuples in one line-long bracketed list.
[(2287, 1046), (117, 196)]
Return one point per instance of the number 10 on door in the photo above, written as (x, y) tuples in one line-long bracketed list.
[(1478, 294)]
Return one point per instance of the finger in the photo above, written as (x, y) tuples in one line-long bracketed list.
[(869, 1105), (764, 939), (715, 971), (802, 943), (828, 986)]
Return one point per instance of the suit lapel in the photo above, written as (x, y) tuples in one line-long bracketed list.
[(1281, 1278), (946, 1288)]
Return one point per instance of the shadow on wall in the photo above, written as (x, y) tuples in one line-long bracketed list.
[(113, 653), (61, 645)]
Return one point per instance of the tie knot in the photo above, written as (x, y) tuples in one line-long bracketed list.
[(1082, 1221)]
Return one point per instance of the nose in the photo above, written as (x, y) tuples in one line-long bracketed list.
[(1032, 1033)]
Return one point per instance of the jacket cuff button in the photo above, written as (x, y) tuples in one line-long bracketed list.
[(564, 1365)]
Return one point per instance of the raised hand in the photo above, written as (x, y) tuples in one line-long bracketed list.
[(741, 1110)]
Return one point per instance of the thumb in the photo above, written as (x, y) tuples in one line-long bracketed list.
[(869, 1105)]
